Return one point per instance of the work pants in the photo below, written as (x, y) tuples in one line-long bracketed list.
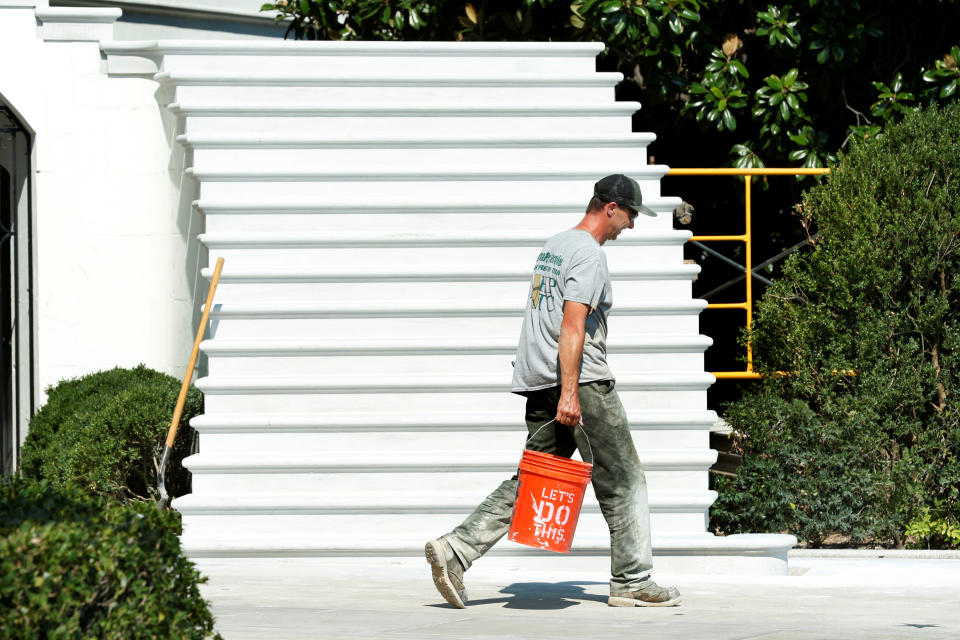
[(618, 482)]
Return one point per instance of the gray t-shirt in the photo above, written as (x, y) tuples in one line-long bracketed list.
[(571, 266)]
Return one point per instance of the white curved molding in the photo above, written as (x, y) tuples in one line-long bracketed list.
[(76, 24), (426, 383)]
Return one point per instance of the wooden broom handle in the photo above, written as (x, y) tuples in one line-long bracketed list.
[(175, 422)]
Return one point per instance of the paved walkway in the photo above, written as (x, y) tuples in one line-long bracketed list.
[(565, 598)]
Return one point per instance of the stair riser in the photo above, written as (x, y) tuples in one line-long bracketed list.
[(409, 365), (467, 402), (344, 292), (413, 440), (380, 65), (294, 256), (429, 160), (339, 483), (342, 94), (473, 187), (316, 215), (227, 327)]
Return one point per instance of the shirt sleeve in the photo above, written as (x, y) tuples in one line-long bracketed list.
[(584, 283)]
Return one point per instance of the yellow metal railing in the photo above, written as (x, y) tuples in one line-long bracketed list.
[(746, 238)]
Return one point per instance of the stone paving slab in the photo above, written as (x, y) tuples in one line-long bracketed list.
[(565, 598)]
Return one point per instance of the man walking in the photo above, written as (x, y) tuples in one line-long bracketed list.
[(561, 369)]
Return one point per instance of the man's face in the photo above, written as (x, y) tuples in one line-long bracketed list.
[(618, 219)]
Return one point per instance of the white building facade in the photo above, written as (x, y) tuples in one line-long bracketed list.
[(379, 207)]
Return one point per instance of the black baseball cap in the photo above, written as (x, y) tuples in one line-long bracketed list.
[(622, 190)]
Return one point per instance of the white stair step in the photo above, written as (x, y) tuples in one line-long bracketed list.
[(398, 501), (416, 525), (454, 437), (357, 57), (619, 258), (378, 238), (417, 274), (427, 383), (295, 462), (461, 345), (363, 421), (411, 308), (407, 140), (641, 171), (231, 481)]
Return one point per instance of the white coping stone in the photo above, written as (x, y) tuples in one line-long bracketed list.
[(77, 24)]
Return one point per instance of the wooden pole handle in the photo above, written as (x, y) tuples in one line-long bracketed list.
[(182, 399)]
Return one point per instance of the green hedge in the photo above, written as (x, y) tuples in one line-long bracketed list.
[(105, 433), (79, 566), (862, 438)]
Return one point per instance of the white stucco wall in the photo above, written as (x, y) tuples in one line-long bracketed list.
[(115, 282)]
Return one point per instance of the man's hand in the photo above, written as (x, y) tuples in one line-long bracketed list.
[(568, 409), (570, 350)]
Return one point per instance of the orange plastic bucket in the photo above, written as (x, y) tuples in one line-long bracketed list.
[(548, 501)]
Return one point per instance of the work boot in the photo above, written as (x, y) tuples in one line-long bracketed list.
[(648, 595), (447, 572)]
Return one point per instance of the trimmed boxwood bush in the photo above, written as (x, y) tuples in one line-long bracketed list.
[(862, 437), (74, 565), (104, 432)]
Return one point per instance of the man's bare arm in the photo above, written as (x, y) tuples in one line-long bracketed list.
[(572, 333)]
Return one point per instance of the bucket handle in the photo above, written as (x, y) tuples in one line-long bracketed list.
[(589, 447)]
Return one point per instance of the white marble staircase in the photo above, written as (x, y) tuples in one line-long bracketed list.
[(379, 207)]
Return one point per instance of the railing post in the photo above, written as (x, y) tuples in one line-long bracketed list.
[(749, 259)]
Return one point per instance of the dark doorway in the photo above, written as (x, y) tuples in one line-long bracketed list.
[(17, 393)]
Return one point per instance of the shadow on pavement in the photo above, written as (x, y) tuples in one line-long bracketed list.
[(541, 596)]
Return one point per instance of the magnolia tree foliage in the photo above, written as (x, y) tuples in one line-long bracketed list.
[(855, 427), (771, 84)]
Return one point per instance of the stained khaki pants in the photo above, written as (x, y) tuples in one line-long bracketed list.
[(618, 483)]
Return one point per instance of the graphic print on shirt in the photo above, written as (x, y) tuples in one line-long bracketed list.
[(544, 284)]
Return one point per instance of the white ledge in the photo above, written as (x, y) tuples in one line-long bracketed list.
[(354, 48), (76, 24), (425, 141), (333, 79), (443, 421), (307, 347), (511, 238), (640, 171), (321, 206), (361, 502), (426, 383), (416, 273), (413, 110), (414, 461), (416, 309)]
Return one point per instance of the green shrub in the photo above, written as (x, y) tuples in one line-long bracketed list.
[(79, 566), (864, 432), (105, 432)]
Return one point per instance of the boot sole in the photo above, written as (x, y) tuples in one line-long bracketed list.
[(617, 601), (441, 579)]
